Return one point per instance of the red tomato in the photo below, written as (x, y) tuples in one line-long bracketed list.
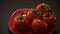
[(42, 6), (39, 26), (30, 16), (21, 25), (12, 22), (50, 19), (18, 21), (48, 16), (40, 9), (33, 21)]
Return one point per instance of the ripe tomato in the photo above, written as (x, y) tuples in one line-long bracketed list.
[(50, 19), (18, 21), (40, 20), (30, 16), (42, 6), (40, 9), (48, 16), (39, 26), (12, 22)]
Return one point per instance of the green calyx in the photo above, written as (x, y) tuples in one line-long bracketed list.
[(48, 15), (42, 8), (35, 12), (21, 18)]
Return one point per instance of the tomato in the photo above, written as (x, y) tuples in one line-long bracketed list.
[(39, 26), (42, 6), (40, 20), (50, 18), (19, 22), (12, 22), (30, 16), (40, 9), (20, 25)]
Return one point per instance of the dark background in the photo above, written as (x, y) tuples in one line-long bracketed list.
[(7, 7)]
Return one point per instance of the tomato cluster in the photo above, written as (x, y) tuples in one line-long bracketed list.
[(33, 21)]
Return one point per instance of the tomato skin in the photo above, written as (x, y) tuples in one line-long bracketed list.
[(30, 16), (50, 20), (21, 26), (39, 6), (16, 25), (39, 26), (11, 23)]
